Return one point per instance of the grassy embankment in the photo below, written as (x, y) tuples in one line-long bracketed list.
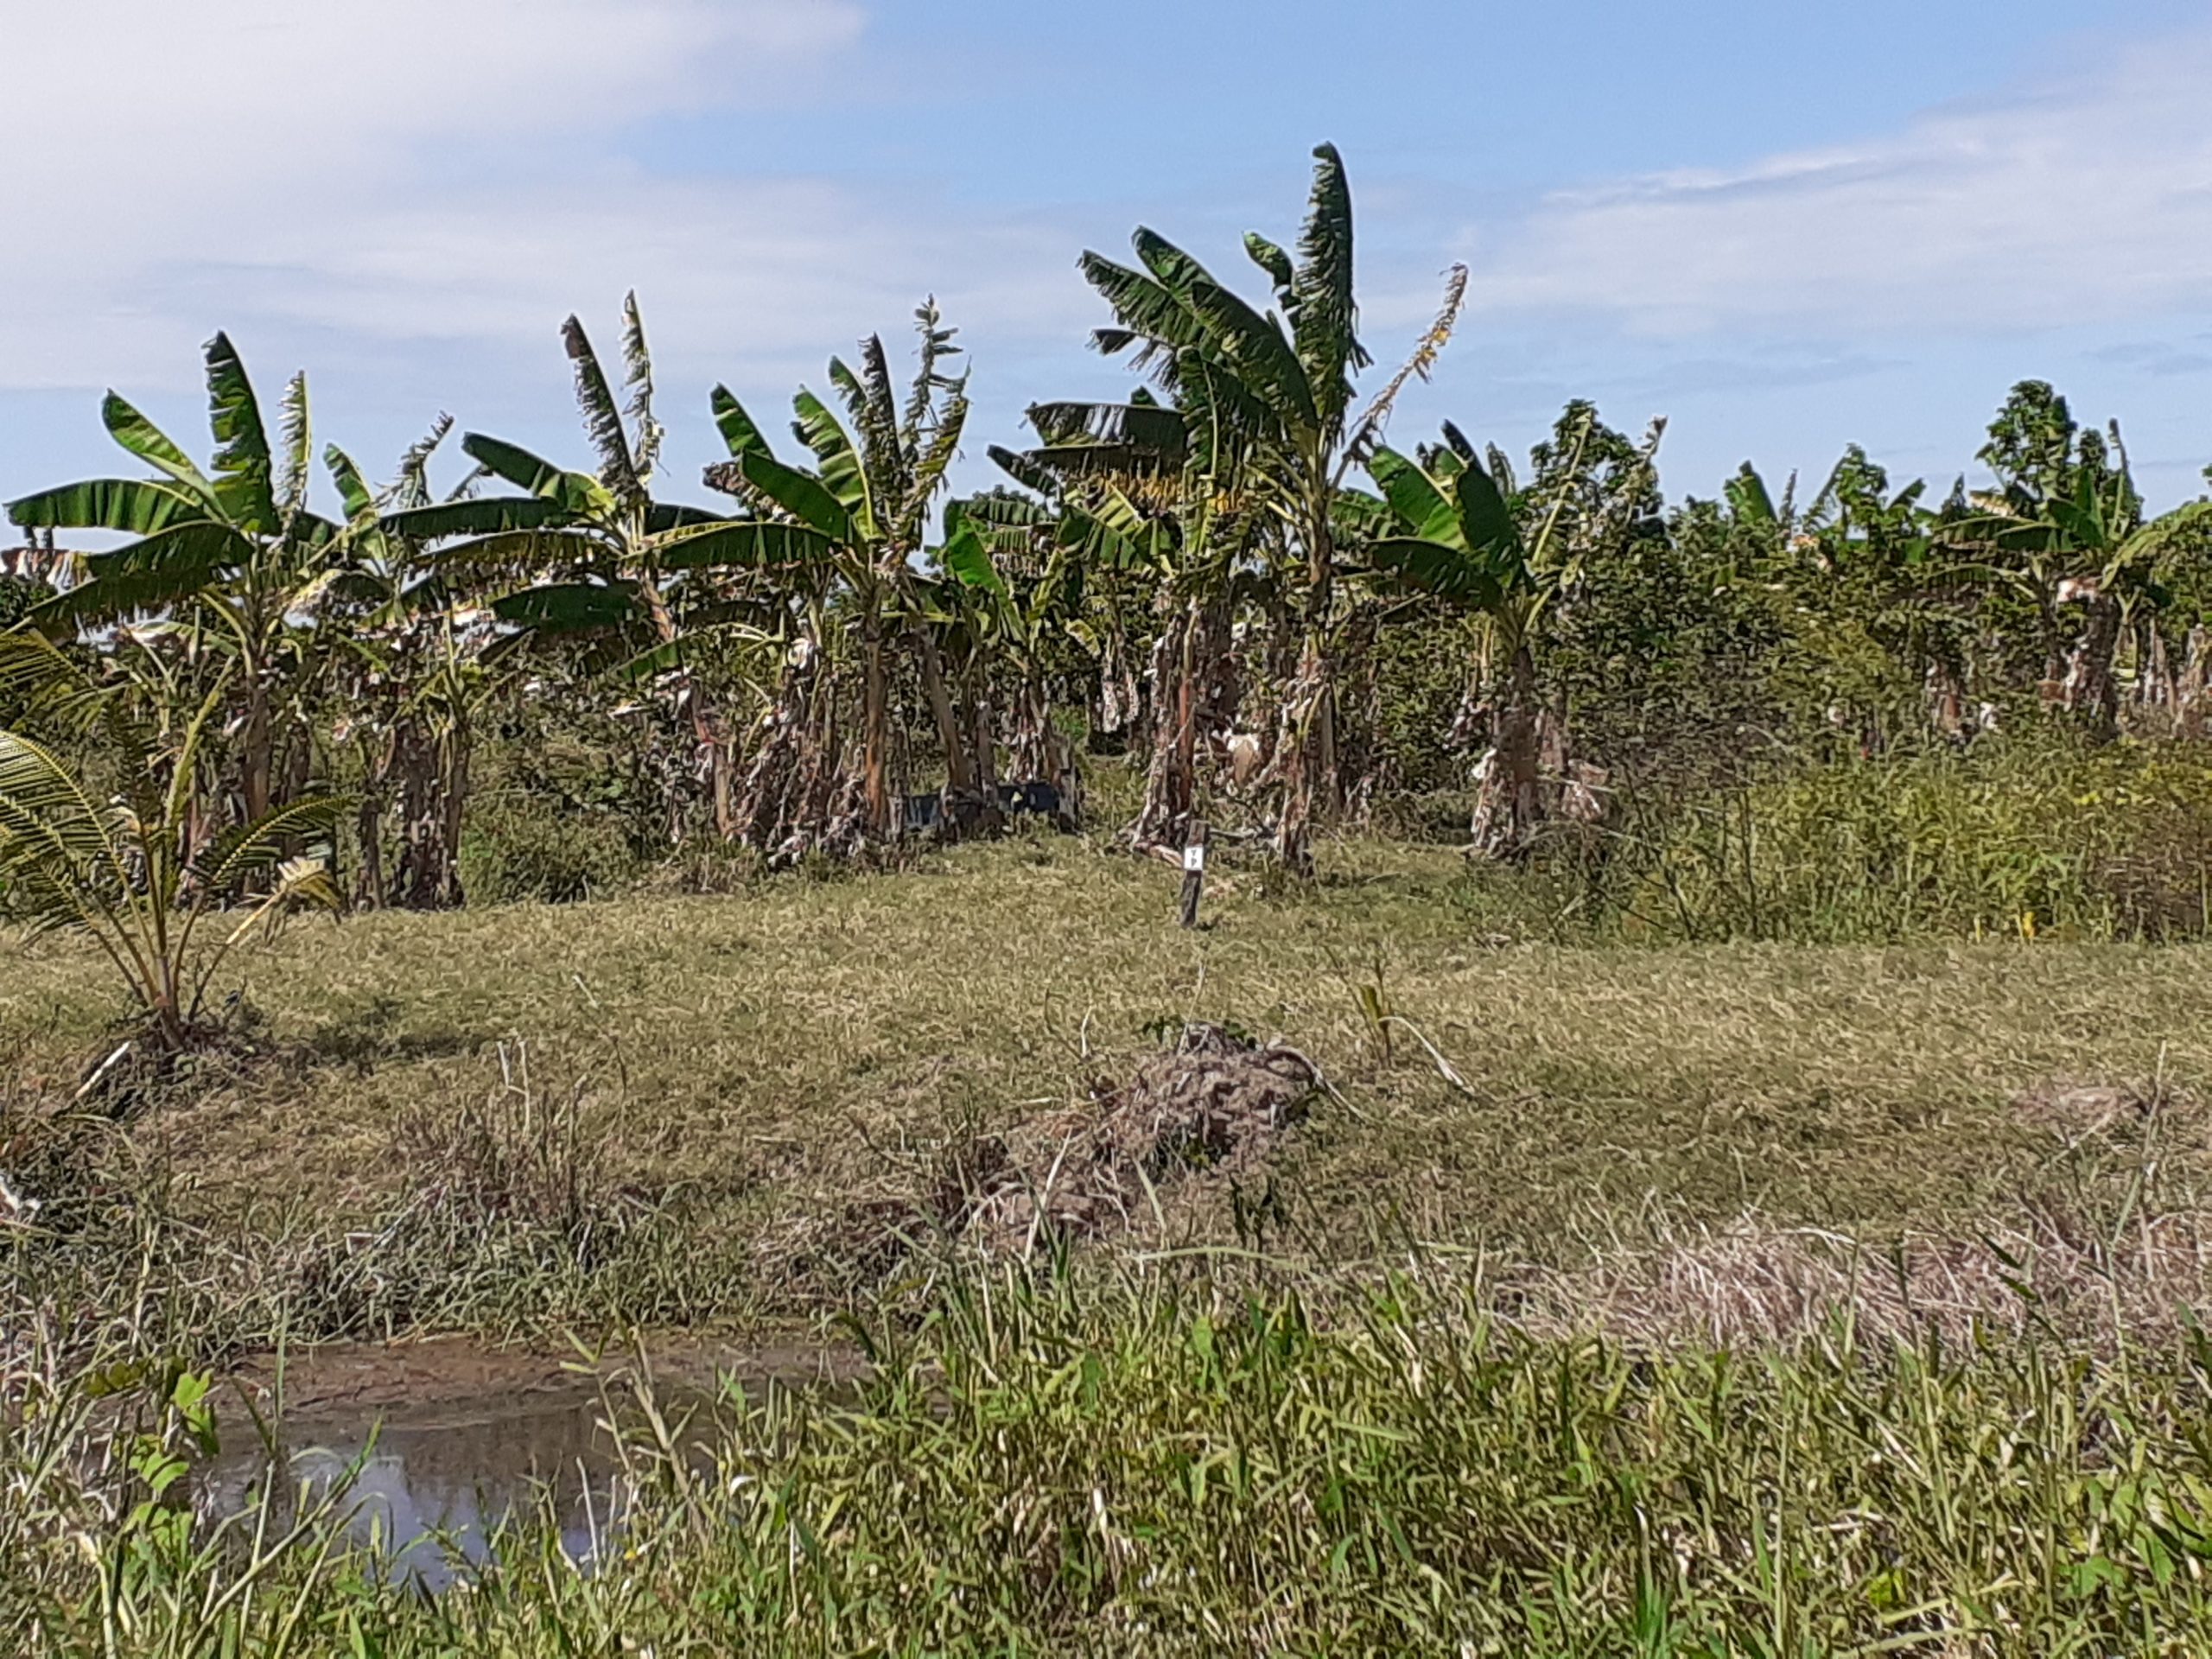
[(709, 1077), (1590, 1163)]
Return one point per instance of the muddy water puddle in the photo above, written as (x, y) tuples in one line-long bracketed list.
[(431, 1445)]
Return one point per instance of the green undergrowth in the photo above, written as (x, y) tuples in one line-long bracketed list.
[(2031, 839), (511, 1117), (1146, 1462)]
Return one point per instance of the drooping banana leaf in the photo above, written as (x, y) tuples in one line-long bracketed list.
[(153, 445), (1137, 426), (1252, 345), (576, 493), (1486, 519), (646, 432), (298, 437), (965, 558), (158, 571), (1749, 498), (1153, 321), (571, 606), (618, 467), (751, 543), (485, 515), (931, 465), (800, 495), (1322, 315), (665, 516), (873, 403), (1270, 258), (519, 549), (1413, 495), (844, 474), (137, 505), (1435, 569), (740, 432), (353, 492)]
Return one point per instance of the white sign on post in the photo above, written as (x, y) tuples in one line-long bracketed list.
[(1194, 859)]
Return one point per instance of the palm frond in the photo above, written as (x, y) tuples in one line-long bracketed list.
[(618, 468), (1323, 315), (646, 433), (224, 864), (49, 821), (301, 884)]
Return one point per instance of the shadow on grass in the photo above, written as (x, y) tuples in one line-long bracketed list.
[(380, 1028)]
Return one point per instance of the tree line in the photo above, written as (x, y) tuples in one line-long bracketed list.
[(1230, 576)]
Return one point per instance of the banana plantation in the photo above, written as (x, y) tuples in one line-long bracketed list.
[(1233, 586), (1830, 1286)]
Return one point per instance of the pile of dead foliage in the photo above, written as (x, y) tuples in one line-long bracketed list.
[(1209, 1111)]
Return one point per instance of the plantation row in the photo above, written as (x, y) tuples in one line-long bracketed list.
[(1231, 577)]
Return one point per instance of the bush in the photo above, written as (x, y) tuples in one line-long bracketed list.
[(516, 846), (2016, 837)]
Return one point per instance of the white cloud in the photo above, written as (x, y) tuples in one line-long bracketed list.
[(437, 169), (2077, 200)]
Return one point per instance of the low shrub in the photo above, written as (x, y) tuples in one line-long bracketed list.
[(2019, 839), (516, 846)]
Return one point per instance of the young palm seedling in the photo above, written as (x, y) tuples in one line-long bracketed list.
[(136, 865)]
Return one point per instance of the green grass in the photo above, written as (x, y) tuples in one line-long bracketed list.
[(1696, 1301), (1146, 1465), (747, 1061)]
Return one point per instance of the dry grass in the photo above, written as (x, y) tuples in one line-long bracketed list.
[(780, 1049)]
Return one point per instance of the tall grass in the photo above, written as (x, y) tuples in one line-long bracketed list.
[(2005, 839), (1055, 1463)]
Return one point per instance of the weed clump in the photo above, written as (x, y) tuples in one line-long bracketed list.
[(1209, 1110), (1216, 1105)]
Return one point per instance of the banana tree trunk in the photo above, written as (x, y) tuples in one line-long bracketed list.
[(256, 784), (1307, 745), (959, 767), (436, 795), (875, 791), (1170, 781), (2092, 687), (368, 826), (1509, 803)]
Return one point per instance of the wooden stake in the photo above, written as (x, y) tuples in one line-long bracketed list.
[(1194, 871)]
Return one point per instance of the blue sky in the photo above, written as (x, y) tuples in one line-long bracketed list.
[(1785, 227)]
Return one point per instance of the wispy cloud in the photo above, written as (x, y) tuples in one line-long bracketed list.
[(2071, 201), (432, 171)]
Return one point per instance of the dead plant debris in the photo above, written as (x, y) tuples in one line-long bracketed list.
[(1211, 1109)]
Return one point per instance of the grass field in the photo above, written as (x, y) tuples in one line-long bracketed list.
[(1698, 1299), (749, 1058)]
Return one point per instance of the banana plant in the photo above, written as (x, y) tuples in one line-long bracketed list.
[(1012, 582), (864, 510), (1092, 546), (1875, 588), (2067, 525), (1262, 423), (232, 555), (594, 556), (415, 671), (1505, 557), (165, 896)]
